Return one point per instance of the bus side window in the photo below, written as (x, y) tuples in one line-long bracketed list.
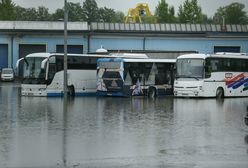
[(207, 71), (51, 72), (208, 68)]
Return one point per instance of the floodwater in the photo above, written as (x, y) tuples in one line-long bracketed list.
[(121, 132)]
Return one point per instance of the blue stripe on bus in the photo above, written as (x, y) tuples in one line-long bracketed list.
[(85, 94), (54, 94), (110, 59), (231, 85), (239, 83), (76, 94), (114, 94), (246, 84)]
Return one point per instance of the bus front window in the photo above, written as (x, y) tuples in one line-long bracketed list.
[(190, 68), (32, 71)]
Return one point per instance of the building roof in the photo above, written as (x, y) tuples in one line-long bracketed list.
[(42, 25), (167, 27), (100, 27)]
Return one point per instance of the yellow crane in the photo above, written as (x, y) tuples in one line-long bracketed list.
[(135, 14)]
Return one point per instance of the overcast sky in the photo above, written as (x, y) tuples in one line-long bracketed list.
[(208, 6)]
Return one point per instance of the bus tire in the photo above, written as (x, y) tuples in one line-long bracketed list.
[(152, 92), (71, 91), (220, 93)]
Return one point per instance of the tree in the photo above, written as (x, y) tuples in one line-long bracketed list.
[(43, 14), (190, 12), (90, 11), (7, 10), (106, 14), (58, 15), (233, 14), (75, 12), (119, 17), (206, 19), (27, 14), (164, 13)]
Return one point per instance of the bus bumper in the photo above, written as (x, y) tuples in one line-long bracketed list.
[(188, 93), (30, 90)]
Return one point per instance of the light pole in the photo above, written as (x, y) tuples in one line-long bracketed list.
[(65, 48)]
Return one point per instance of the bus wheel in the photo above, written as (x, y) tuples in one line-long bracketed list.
[(152, 92), (220, 93), (71, 90)]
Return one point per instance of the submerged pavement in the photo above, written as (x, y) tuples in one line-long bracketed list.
[(121, 132)]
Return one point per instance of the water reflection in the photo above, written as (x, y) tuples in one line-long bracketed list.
[(112, 132)]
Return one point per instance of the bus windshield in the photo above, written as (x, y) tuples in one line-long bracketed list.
[(190, 68), (32, 71)]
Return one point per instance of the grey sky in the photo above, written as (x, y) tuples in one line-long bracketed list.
[(208, 6)]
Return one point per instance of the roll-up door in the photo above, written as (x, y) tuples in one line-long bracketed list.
[(235, 49), (25, 49), (74, 49), (3, 56)]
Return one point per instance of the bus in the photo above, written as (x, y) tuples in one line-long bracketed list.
[(218, 75), (135, 77), (43, 73)]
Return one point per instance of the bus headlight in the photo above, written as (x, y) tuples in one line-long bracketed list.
[(175, 93), (196, 93)]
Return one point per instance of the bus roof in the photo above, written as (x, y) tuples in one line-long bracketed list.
[(46, 55), (112, 55), (135, 60), (216, 55), (129, 55), (150, 60)]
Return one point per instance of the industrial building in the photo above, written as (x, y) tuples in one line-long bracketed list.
[(19, 38)]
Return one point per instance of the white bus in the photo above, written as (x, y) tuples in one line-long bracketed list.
[(217, 75), (43, 73), (135, 77)]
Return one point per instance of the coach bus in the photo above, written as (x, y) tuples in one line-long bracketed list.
[(135, 77), (218, 75), (43, 73)]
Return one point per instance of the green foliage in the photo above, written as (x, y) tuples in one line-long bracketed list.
[(233, 14), (28, 14), (149, 19), (31, 14), (58, 15), (7, 10), (75, 12), (42, 14), (164, 13), (119, 17), (206, 19), (106, 14), (190, 12), (90, 11)]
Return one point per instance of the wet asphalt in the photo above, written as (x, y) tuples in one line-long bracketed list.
[(121, 132)]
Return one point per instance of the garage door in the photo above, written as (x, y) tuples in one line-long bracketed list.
[(25, 49), (3, 56), (74, 49), (235, 49)]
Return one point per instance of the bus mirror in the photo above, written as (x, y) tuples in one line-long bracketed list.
[(17, 66), (43, 63), (52, 60), (174, 69)]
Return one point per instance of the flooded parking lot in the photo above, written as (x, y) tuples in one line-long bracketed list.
[(121, 132)]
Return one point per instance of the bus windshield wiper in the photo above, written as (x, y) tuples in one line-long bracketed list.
[(185, 76)]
